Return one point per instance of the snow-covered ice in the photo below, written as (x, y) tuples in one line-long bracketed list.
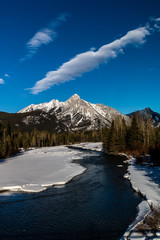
[(94, 146), (120, 165), (36, 169), (144, 184), (143, 209)]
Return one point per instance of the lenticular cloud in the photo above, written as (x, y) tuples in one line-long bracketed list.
[(89, 60)]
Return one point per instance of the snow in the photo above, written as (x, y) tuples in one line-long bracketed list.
[(144, 184), (119, 166), (143, 209), (95, 146), (42, 106), (76, 109), (157, 118), (35, 170), (98, 110), (137, 236)]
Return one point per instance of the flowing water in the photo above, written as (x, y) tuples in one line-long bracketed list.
[(99, 204)]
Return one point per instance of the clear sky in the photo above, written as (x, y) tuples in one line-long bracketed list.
[(52, 49)]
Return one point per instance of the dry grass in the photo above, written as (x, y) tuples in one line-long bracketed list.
[(151, 222)]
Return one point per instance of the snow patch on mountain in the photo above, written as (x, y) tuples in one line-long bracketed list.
[(77, 114)]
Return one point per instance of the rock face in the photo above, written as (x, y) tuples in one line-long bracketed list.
[(155, 117), (76, 114)]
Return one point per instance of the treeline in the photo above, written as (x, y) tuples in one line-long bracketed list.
[(139, 137), (12, 141), (8, 141)]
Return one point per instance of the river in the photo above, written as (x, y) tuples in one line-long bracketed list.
[(99, 204)]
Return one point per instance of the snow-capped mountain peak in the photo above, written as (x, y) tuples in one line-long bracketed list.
[(77, 114), (74, 97)]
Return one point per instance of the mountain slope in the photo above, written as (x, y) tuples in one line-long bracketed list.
[(148, 112), (77, 114), (30, 120)]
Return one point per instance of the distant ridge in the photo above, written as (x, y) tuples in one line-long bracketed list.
[(147, 111)]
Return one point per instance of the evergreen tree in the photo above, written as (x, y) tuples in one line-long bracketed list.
[(111, 145), (133, 135)]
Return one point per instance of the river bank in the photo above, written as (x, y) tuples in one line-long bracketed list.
[(37, 169), (143, 184), (98, 203), (59, 165), (142, 180)]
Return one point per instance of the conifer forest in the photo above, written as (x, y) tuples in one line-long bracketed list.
[(137, 137)]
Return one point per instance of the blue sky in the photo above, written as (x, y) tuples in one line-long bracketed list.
[(54, 49)]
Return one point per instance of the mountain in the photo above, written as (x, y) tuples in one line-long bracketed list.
[(30, 120), (148, 112), (75, 114)]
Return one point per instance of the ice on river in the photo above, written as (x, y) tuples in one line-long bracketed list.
[(94, 146), (36, 169), (143, 183)]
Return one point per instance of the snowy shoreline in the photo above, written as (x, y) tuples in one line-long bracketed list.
[(143, 185), (37, 169)]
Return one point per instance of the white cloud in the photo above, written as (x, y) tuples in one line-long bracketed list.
[(1, 81), (157, 24), (6, 75), (89, 60), (157, 19), (44, 36)]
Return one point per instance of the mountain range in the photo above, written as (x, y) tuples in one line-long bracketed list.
[(148, 112), (75, 114)]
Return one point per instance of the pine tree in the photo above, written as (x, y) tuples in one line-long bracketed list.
[(111, 147), (133, 135)]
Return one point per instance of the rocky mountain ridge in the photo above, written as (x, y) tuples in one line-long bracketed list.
[(147, 112), (77, 114)]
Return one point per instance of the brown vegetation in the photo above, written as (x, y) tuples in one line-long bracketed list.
[(151, 222)]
